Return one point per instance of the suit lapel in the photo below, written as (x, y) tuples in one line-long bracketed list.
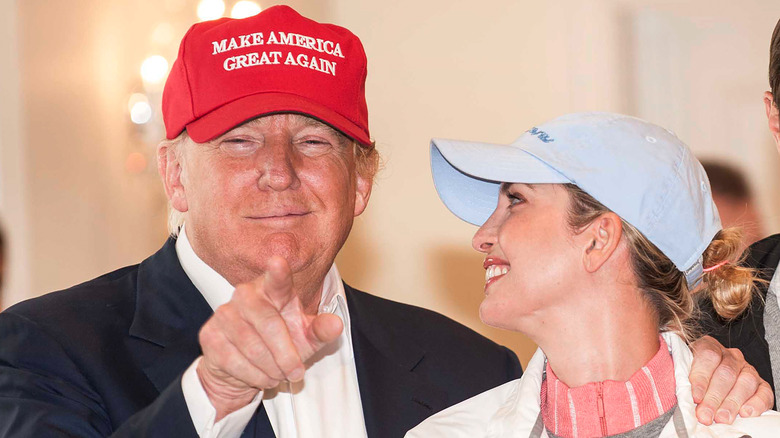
[(169, 313), (394, 393)]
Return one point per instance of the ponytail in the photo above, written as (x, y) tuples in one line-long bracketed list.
[(728, 285)]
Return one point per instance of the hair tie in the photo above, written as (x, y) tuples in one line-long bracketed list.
[(714, 267)]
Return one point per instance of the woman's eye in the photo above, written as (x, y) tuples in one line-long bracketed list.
[(239, 147), (515, 199)]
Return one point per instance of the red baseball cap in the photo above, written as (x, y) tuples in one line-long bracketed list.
[(232, 70)]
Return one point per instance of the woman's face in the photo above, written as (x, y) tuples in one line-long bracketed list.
[(530, 255)]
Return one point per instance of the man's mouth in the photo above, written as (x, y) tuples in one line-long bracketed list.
[(280, 214), (495, 268)]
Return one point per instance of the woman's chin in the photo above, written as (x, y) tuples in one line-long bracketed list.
[(495, 316)]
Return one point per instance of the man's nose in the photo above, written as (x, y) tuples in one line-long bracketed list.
[(278, 166)]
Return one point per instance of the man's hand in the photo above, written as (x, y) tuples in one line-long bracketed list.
[(258, 339), (724, 384)]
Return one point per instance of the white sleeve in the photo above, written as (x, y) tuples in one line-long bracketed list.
[(203, 413)]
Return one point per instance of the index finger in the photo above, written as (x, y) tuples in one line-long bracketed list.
[(707, 356), (277, 281)]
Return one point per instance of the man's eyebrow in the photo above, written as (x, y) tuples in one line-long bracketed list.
[(308, 121)]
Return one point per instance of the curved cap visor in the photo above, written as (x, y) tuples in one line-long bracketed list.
[(467, 175), (223, 119)]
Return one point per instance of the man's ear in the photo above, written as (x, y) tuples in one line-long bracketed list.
[(601, 239), (170, 169), (773, 117), (363, 186)]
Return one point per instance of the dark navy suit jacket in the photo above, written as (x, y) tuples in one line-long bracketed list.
[(105, 358)]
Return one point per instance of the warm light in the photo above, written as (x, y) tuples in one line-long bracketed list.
[(245, 8), (210, 9), (135, 163), (154, 69), (135, 98), (140, 110), (164, 34)]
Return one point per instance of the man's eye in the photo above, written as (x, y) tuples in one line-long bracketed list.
[(314, 146), (238, 147)]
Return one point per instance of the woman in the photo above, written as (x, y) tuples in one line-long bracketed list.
[(604, 226)]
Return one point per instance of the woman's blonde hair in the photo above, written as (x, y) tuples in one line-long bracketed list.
[(367, 163), (730, 286)]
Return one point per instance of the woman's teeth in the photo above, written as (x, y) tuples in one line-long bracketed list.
[(495, 271)]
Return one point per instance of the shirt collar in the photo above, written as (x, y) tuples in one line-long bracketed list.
[(521, 407), (218, 291)]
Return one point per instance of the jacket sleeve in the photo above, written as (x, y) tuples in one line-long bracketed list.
[(167, 416), (44, 394)]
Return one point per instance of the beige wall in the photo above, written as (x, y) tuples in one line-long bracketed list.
[(449, 68), (13, 207), (452, 69)]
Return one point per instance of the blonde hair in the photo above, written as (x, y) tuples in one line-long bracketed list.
[(730, 286), (367, 163)]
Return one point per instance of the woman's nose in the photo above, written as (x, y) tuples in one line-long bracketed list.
[(485, 237)]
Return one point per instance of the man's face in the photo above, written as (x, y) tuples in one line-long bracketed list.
[(283, 184)]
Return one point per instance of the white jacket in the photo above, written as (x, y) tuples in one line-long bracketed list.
[(511, 410)]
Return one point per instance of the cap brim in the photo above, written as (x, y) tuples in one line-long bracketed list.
[(230, 115), (467, 175)]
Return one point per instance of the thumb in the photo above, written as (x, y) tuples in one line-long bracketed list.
[(324, 329)]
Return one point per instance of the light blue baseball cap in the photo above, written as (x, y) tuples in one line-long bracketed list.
[(640, 171)]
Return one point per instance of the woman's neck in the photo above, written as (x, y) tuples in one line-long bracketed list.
[(597, 339)]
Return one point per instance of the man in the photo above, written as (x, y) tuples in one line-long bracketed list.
[(757, 332), (736, 205), (268, 160)]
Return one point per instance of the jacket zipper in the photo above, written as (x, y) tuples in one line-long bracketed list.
[(600, 407)]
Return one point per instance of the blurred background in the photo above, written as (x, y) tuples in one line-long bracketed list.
[(79, 119)]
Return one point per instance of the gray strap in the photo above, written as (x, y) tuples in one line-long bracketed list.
[(536, 432), (679, 423)]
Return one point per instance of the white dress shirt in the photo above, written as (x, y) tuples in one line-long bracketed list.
[(326, 403)]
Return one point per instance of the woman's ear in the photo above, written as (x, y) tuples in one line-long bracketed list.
[(602, 237)]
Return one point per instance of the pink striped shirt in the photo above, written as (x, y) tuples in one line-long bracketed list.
[(610, 407)]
